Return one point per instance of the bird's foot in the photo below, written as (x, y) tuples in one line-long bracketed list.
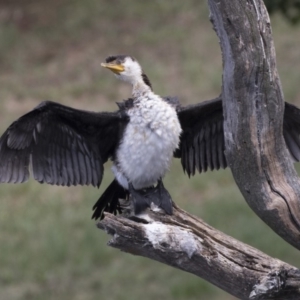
[(147, 197)]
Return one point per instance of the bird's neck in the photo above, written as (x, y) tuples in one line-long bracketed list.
[(140, 88)]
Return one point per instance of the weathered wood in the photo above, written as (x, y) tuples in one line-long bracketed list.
[(253, 114), (189, 244)]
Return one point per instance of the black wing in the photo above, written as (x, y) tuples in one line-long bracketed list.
[(65, 146), (202, 141), (291, 130)]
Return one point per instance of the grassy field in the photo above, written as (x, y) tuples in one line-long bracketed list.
[(49, 247)]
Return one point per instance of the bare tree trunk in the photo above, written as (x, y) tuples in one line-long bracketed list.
[(253, 116), (256, 152)]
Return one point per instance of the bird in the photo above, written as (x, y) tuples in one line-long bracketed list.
[(66, 146)]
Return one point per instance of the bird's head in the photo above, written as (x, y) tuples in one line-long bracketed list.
[(126, 68)]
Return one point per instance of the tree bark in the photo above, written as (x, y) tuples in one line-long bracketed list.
[(187, 243), (253, 108)]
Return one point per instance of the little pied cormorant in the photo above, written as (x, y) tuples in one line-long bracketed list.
[(66, 146)]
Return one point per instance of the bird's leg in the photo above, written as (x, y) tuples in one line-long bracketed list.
[(166, 202), (138, 198), (158, 195)]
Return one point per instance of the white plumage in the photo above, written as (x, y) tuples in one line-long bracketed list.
[(151, 136), (149, 141)]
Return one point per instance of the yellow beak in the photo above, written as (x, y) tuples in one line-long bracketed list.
[(113, 67)]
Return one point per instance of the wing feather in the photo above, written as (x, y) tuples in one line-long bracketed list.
[(208, 148), (65, 146), (214, 152), (291, 130), (203, 135), (202, 154), (292, 146)]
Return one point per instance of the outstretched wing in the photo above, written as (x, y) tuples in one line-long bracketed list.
[(64, 146), (202, 141), (291, 130)]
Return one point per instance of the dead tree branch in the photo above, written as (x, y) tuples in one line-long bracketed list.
[(189, 244)]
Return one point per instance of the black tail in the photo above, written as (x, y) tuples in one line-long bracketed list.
[(109, 201)]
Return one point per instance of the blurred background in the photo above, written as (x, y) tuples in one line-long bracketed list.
[(49, 247)]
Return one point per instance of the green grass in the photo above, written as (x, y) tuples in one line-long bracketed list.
[(49, 247)]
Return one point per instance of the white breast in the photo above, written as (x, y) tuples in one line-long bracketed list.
[(149, 141)]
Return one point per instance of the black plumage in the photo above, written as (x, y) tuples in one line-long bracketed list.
[(202, 141), (67, 146)]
